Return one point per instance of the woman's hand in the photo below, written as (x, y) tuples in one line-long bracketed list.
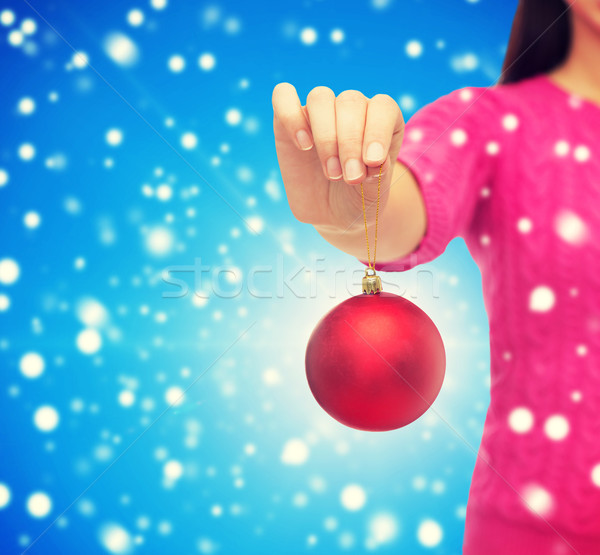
[(328, 147)]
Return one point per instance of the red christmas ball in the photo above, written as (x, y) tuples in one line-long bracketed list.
[(375, 362)]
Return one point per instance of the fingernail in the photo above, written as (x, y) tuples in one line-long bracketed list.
[(304, 140), (375, 152), (334, 168), (354, 169)]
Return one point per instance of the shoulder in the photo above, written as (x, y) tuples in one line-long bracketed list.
[(484, 109), (487, 116), (496, 98)]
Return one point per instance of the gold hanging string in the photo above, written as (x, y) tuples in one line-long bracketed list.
[(362, 194)]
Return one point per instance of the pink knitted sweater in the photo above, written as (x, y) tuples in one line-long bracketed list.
[(515, 171)]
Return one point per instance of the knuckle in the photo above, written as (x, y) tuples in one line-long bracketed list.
[(351, 95), (320, 91), (385, 99), (280, 91), (386, 102), (401, 116), (284, 85)]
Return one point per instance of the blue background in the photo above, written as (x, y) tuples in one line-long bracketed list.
[(107, 232)]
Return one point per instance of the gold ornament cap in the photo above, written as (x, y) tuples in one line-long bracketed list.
[(371, 283)]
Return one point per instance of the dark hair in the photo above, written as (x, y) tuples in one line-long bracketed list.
[(539, 39)]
